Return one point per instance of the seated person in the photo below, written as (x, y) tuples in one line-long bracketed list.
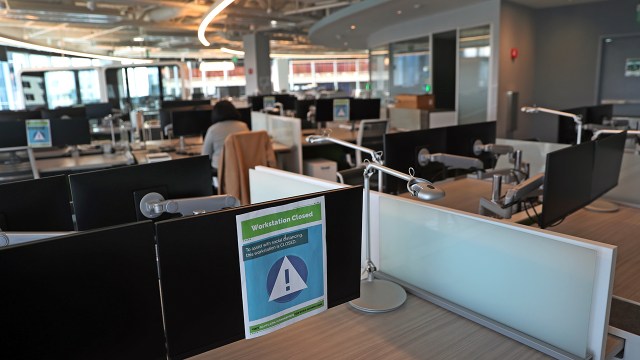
[(225, 119)]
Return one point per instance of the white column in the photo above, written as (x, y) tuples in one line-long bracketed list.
[(257, 64)]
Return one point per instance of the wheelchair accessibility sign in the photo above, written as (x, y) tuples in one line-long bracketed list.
[(282, 265), (38, 133)]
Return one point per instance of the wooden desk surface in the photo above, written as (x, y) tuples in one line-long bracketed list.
[(81, 163), (417, 330)]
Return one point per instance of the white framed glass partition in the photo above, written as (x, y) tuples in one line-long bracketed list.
[(474, 64)]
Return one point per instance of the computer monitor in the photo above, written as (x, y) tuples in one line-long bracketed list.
[(36, 205), (598, 113), (200, 270), (67, 112), (324, 110), (171, 104), (567, 133), (111, 197), (363, 109), (460, 140), (245, 115), (98, 110), (19, 115), (302, 108), (89, 295), (288, 101), (74, 131), (13, 133), (255, 101), (567, 182), (401, 152), (190, 122), (607, 163)]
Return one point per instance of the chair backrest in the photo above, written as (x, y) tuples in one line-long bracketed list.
[(242, 151), (370, 135)]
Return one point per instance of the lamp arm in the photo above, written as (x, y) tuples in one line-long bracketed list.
[(613, 131), (375, 155), (576, 118)]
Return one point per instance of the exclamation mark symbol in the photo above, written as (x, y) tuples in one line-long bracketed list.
[(286, 279)]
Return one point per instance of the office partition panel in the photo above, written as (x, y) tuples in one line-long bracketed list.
[(200, 272), (554, 289), (271, 184)]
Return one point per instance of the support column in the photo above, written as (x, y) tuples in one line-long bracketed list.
[(257, 64), (280, 75)]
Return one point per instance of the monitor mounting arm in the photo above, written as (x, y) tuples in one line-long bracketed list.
[(448, 160), (504, 208), (153, 204)]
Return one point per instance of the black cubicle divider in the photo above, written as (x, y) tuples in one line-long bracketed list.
[(108, 197), (200, 272), (36, 205), (90, 295)]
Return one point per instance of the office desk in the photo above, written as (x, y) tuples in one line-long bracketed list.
[(417, 330), (192, 149), (82, 163), (334, 132)]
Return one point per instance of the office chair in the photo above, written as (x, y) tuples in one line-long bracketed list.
[(371, 135), (242, 151)]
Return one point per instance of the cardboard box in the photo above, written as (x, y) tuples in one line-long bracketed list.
[(408, 101)]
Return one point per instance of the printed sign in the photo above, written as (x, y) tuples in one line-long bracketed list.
[(38, 133), (283, 265), (340, 109), (268, 102), (632, 68)]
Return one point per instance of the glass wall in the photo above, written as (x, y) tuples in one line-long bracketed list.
[(61, 87), (349, 76), (379, 73), (473, 74), (410, 63)]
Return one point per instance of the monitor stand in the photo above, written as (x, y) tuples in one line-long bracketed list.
[(182, 149), (602, 206)]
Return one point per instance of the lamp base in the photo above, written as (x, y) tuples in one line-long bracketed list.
[(378, 296), (602, 206)]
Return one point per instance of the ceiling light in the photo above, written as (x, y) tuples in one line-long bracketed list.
[(26, 45), (353, 27), (399, 12), (217, 66), (232, 52), (138, 39), (417, 6), (274, 23), (216, 9)]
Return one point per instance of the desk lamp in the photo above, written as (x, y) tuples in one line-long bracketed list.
[(378, 295), (576, 118)]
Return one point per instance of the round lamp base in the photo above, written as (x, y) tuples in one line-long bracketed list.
[(377, 296)]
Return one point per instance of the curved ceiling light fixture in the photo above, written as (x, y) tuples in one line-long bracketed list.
[(26, 45), (216, 9), (232, 52)]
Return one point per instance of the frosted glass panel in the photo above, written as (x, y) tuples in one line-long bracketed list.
[(270, 184), (533, 152), (523, 279)]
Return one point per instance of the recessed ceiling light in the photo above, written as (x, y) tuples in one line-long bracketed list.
[(417, 6), (353, 27), (274, 22), (399, 12), (138, 39), (608, 40)]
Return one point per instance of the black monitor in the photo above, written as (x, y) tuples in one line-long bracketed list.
[(460, 140), (607, 163), (36, 205), (324, 110), (171, 104), (200, 270), (364, 109), (111, 197), (567, 182), (190, 122), (19, 115), (98, 110), (288, 101), (90, 295), (245, 115), (567, 133), (72, 112), (255, 101), (13, 133), (598, 113), (74, 131), (401, 152), (302, 108)]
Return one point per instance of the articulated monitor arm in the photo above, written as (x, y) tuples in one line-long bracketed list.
[(513, 196), (448, 160), (153, 204), (479, 148)]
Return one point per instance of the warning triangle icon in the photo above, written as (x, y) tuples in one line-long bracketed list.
[(341, 112), (38, 136), (287, 282)]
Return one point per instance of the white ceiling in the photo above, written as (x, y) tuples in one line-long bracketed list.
[(169, 27)]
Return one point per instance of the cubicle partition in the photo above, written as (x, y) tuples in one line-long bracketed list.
[(286, 131), (549, 291), (200, 273)]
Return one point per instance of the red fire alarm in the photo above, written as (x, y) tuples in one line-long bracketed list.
[(250, 71), (514, 54)]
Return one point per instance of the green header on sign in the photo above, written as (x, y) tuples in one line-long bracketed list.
[(282, 220)]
